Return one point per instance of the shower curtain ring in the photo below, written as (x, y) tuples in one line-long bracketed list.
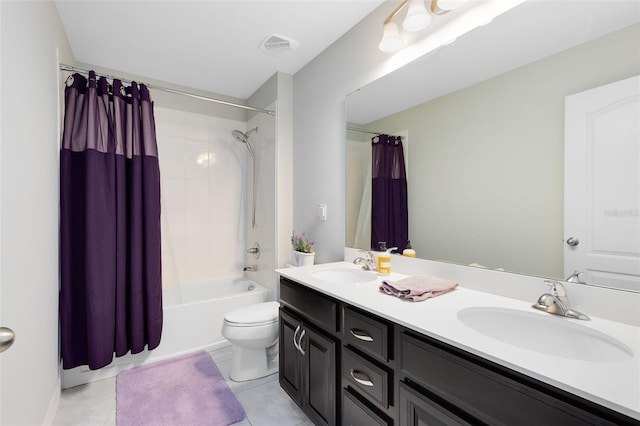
[(69, 81)]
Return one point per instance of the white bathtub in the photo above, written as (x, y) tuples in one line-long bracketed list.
[(193, 317)]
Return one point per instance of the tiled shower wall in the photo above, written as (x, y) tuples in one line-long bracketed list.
[(205, 174)]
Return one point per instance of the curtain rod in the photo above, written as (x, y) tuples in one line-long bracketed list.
[(65, 67), (364, 131), (369, 132)]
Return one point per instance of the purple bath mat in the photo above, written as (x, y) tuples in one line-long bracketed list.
[(187, 390)]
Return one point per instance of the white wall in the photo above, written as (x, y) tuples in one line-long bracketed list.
[(30, 33), (274, 220), (319, 133), (284, 168)]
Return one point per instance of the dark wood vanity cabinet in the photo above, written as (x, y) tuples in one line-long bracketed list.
[(345, 366), (367, 369), (441, 384), (308, 352)]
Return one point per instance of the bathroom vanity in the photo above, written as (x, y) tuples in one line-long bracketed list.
[(351, 355)]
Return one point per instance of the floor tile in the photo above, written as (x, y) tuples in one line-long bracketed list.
[(99, 411), (269, 405), (88, 391)]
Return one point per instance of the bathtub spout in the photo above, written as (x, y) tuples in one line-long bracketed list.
[(250, 268)]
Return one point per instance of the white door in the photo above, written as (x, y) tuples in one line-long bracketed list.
[(602, 185)]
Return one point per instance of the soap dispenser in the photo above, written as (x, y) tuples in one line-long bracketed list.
[(408, 251), (384, 258)]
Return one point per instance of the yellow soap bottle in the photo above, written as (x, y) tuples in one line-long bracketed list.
[(384, 259)]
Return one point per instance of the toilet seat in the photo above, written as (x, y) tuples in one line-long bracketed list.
[(253, 315)]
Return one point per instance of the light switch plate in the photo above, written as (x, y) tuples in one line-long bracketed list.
[(321, 212)]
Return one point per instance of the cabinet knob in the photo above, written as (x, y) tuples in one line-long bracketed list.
[(363, 382), (361, 335)]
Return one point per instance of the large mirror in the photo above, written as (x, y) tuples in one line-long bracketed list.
[(483, 123)]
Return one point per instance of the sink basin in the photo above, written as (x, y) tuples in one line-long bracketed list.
[(344, 276), (545, 333)]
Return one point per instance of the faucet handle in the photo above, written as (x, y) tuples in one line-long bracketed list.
[(368, 254), (556, 288)]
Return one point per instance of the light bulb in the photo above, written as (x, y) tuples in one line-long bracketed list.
[(391, 40), (417, 16)]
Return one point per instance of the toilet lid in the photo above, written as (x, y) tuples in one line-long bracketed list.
[(254, 314)]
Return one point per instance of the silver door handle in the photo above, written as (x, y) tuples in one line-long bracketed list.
[(300, 341), (7, 337), (363, 382), (361, 335), (573, 242), (295, 333)]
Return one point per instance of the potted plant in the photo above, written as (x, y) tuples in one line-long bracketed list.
[(301, 250)]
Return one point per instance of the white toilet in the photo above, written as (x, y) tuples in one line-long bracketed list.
[(253, 330)]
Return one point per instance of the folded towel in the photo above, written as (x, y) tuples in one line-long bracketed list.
[(417, 288)]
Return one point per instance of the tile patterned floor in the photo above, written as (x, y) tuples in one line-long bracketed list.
[(264, 402)]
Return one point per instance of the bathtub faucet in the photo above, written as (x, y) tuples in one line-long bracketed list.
[(250, 268)]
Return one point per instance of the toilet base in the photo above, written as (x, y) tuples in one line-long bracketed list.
[(250, 364)]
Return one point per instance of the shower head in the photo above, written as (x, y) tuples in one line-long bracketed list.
[(244, 138), (239, 136)]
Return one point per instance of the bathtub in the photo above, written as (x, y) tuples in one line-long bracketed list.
[(193, 317)]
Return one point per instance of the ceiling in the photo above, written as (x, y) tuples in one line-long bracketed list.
[(210, 45), (529, 32)]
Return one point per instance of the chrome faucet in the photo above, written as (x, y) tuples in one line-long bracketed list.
[(367, 262), (557, 302), (250, 268)]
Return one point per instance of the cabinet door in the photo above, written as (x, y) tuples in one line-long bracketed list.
[(356, 413), (319, 377), (417, 410), (290, 366)]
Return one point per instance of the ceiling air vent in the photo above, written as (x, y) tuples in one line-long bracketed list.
[(277, 45)]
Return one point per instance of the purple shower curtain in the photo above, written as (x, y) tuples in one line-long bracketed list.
[(111, 284), (389, 212)]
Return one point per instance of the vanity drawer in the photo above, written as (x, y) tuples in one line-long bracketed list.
[(322, 310), (356, 413), (368, 334), (481, 391), (367, 377)]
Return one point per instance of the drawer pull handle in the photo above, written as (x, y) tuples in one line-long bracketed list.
[(361, 335), (300, 341), (295, 333), (363, 382)]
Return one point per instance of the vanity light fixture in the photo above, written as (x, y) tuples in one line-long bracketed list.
[(440, 7), (417, 19)]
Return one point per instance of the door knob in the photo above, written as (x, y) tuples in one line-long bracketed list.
[(7, 337), (573, 241)]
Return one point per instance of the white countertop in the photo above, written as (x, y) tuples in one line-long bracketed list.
[(613, 384)]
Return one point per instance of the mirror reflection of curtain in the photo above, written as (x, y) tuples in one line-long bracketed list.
[(363, 228), (389, 212), (110, 261)]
